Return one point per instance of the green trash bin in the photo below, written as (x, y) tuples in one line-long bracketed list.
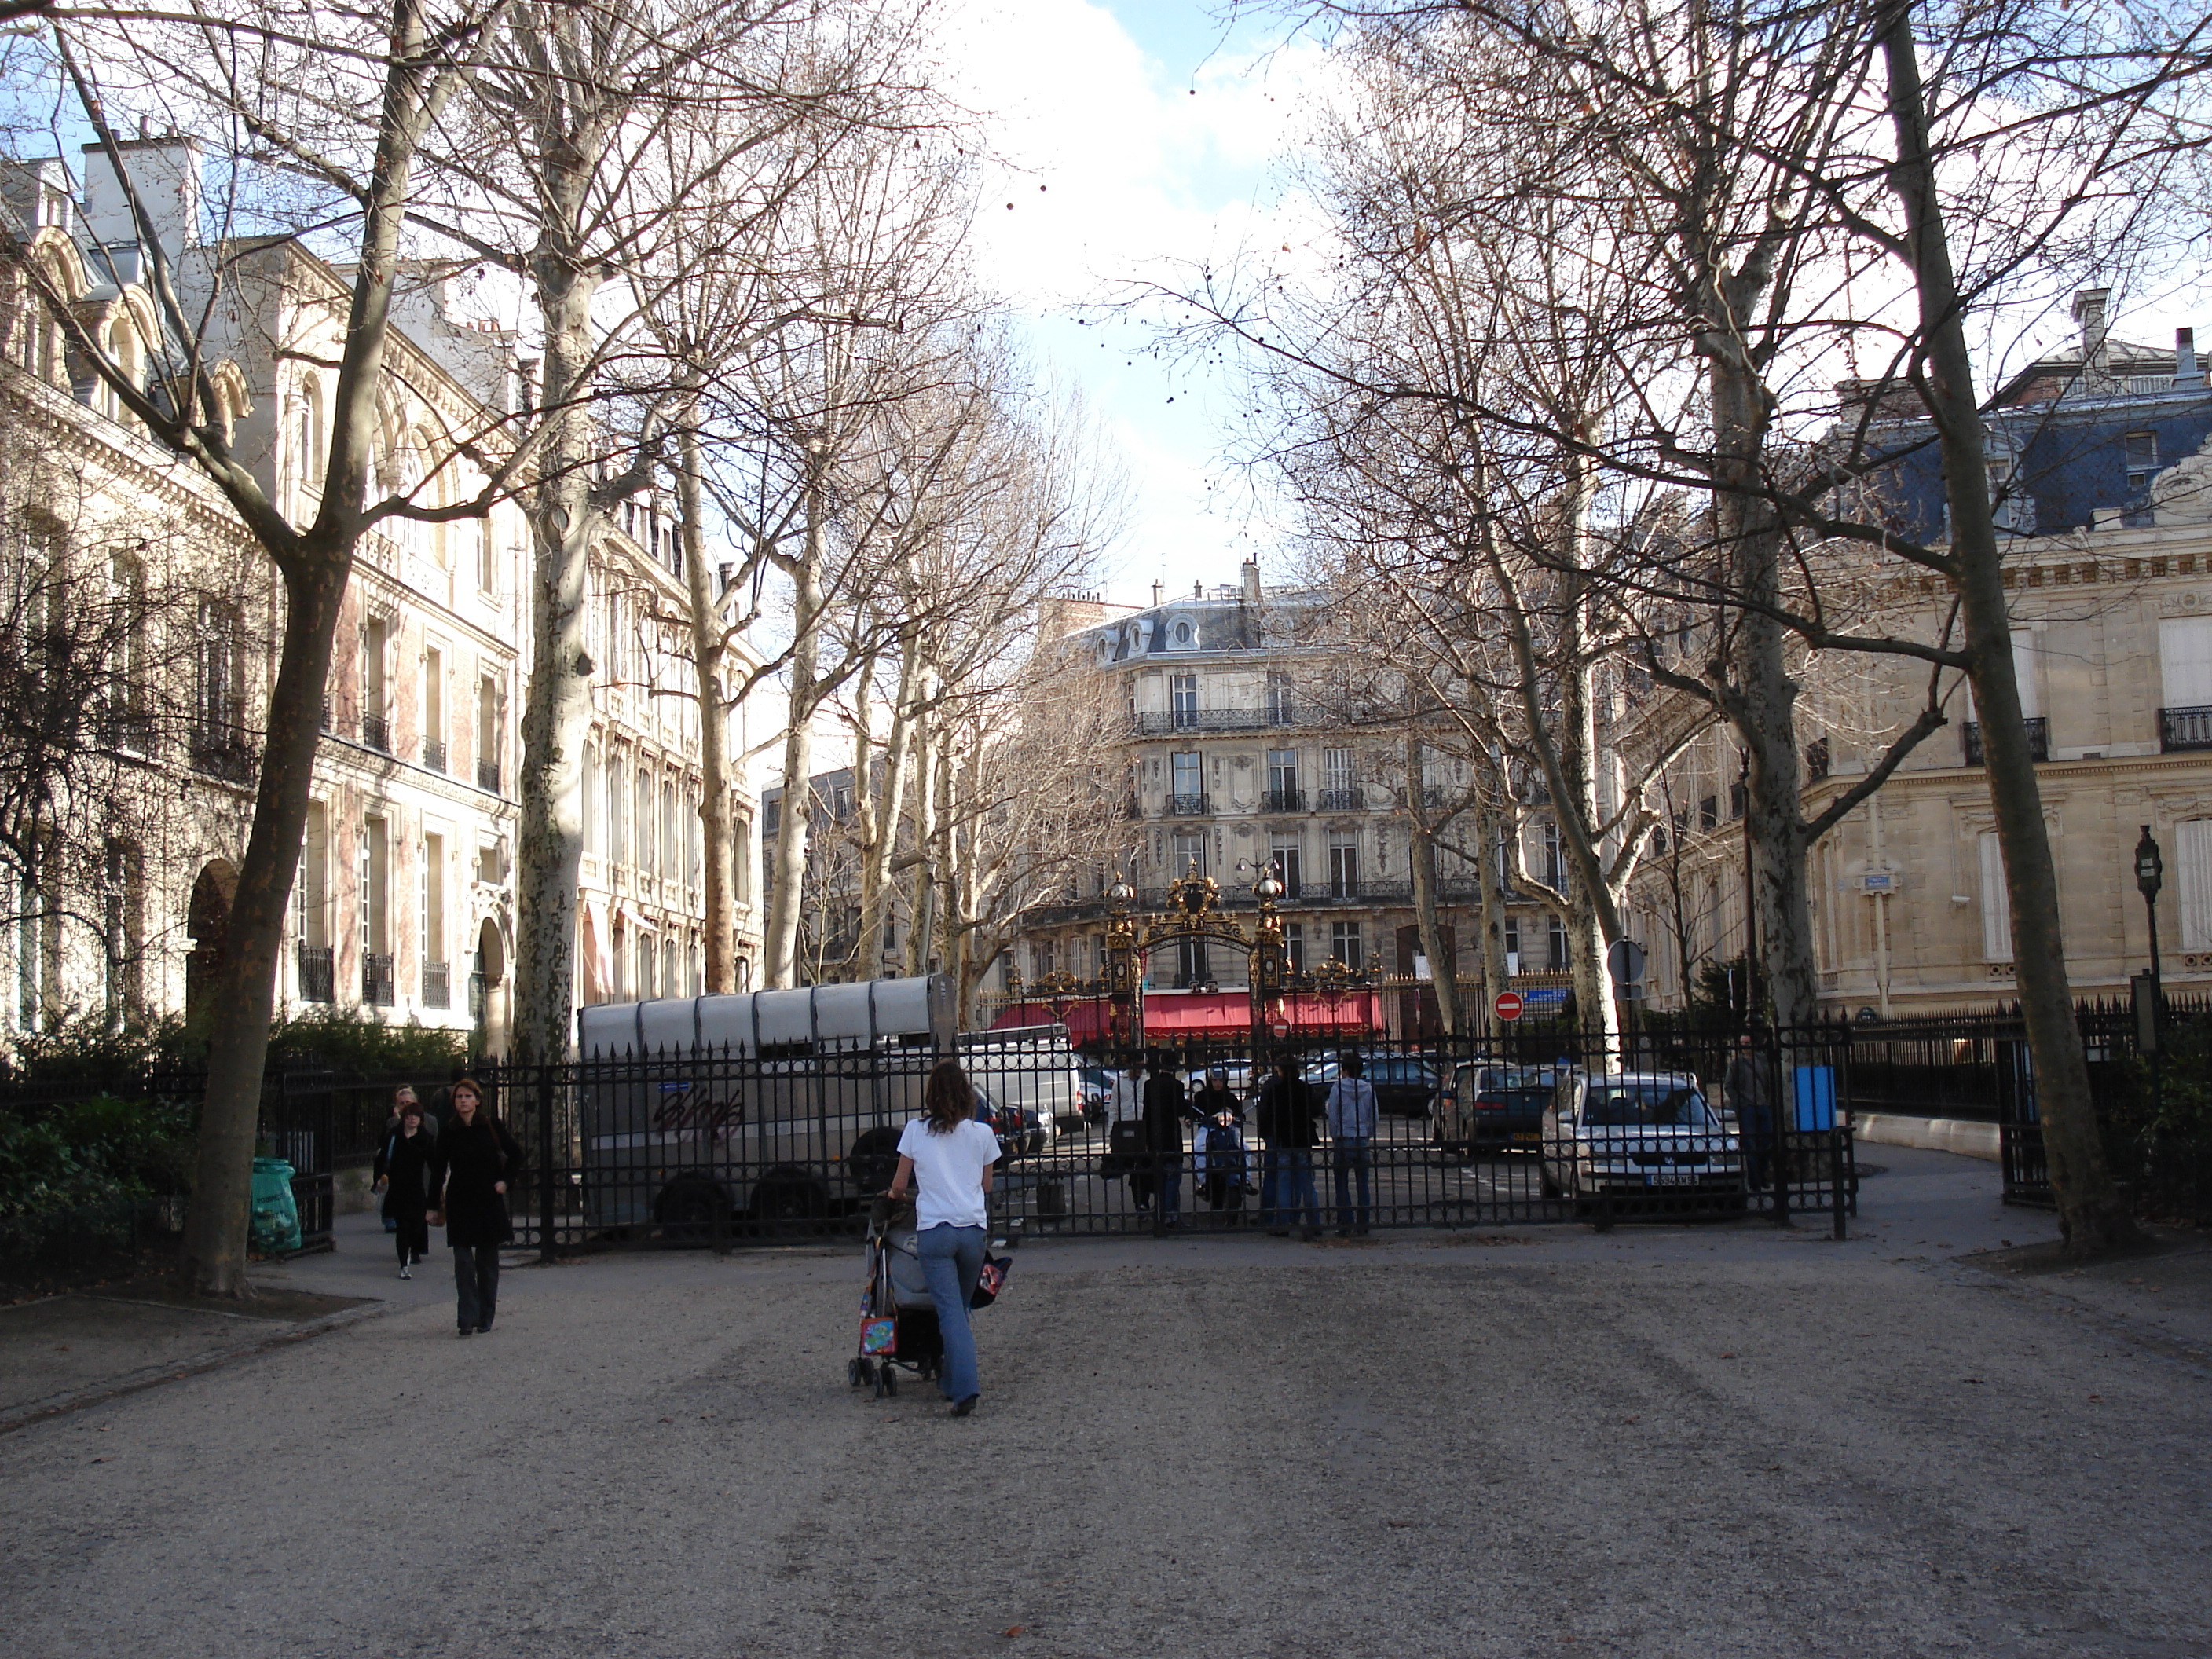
[(275, 1230)]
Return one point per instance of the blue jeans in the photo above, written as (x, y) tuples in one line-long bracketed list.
[(1354, 1156), (1169, 1166), (1274, 1165), (952, 1261), (1301, 1204)]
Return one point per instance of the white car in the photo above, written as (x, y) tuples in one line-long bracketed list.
[(1635, 1136)]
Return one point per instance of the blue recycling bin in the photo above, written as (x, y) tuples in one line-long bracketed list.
[(274, 1229)]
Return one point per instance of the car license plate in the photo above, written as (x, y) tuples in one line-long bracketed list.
[(1531, 1136), (1674, 1178)]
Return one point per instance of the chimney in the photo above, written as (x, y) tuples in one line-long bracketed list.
[(1157, 592), (2089, 313), (2186, 374), (165, 174), (1198, 590), (1251, 574)]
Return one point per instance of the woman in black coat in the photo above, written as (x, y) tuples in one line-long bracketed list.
[(470, 1169), (403, 1176)]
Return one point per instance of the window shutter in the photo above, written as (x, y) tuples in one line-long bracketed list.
[(1996, 903), (2192, 845), (2184, 654)]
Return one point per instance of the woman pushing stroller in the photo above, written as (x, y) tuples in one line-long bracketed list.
[(945, 1158)]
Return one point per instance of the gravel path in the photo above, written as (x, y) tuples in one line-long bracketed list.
[(1667, 1443)]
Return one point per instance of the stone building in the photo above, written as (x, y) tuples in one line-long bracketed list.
[(2103, 482), (403, 903)]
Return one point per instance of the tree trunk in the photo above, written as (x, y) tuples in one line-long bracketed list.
[(245, 993), (2089, 1207), (1421, 863), (1490, 908), (780, 945), (876, 885), (557, 701), (921, 921), (717, 825)]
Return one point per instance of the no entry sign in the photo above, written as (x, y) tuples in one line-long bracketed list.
[(1508, 1006)]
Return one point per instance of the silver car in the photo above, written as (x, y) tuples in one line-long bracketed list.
[(1638, 1135)]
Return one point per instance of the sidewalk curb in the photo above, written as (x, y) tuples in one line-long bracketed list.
[(58, 1405)]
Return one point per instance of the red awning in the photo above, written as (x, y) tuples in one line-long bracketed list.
[(1224, 1016)]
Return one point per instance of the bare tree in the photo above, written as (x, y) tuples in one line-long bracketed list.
[(344, 105)]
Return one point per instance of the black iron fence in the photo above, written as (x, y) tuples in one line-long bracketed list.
[(718, 1148)]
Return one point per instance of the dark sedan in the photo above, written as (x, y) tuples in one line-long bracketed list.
[(1404, 1086)]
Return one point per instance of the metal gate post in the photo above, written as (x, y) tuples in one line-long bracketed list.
[(545, 1252), (1784, 1118), (1836, 1167)]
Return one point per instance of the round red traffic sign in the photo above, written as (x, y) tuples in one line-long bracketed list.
[(1508, 1004)]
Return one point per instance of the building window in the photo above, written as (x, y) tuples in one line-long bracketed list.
[(642, 823), (437, 986), (1294, 945), (1555, 943), (1512, 945), (1554, 867), (618, 796), (1282, 706), (123, 923), (1709, 812), (1336, 779), (1183, 700), (1186, 783), (2192, 855), (1189, 853), (1344, 864), (375, 733), (1288, 857), (1192, 969), (2140, 452), (1344, 944), (434, 708), (1997, 902), (487, 735), (374, 903)]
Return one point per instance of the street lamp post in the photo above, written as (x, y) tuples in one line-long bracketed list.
[(2150, 1008)]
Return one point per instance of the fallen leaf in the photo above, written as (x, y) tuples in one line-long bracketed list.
[(1012, 1630), (64, 1346), (1969, 1379), (1632, 1420), (1397, 1523), (2097, 1399), (1728, 1356), (668, 1419)]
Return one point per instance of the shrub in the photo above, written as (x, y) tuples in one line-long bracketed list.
[(346, 1040)]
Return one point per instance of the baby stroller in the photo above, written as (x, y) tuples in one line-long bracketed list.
[(898, 1321), (1221, 1165)]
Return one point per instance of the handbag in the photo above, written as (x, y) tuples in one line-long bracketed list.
[(879, 1336), (991, 1280)]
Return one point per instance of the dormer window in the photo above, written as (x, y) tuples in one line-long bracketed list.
[(1185, 636), (1136, 639)]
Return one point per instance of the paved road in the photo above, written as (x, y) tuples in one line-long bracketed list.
[(1669, 1442)]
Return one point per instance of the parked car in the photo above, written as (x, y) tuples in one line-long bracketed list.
[(1018, 1129), (1404, 1085), (1635, 1136), (1096, 1088), (1487, 1107)]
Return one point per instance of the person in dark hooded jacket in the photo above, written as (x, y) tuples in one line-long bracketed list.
[(403, 1176), (470, 1169)]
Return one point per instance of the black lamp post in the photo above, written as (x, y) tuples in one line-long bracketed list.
[(2150, 1002)]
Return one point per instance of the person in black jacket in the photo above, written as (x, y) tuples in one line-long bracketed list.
[(403, 1176), (470, 1169), (1167, 1109), (1288, 1111)]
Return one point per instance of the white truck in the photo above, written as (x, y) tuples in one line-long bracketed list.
[(786, 1106), (772, 1106)]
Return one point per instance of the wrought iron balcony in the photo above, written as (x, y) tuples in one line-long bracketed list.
[(1354, 799), (126, 725), (318, 974), (221, 750), (437, 985), (2039, 740), (1157, 723), (2184, 728), (434, 754), (376, 733), (376, 980), (1283, 800), (487, 776), (1186, 806)]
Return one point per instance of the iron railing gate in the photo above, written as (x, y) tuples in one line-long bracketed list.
[(726, 1149)]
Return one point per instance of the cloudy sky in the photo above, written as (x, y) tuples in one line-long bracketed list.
[(1135, 132)]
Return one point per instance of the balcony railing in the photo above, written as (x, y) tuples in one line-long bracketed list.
[(1283, 800), (487, 776), (2184, 728), (1186, 806), (434, 754), (220, 750), (1155, 723), (376, 981), (2039, 740), (376, 733), (437, 985), (477, 998), (319, 978), (1340, 800)]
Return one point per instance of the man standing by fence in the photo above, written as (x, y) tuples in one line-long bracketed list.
[(1352, 1136), (1754, 1089)]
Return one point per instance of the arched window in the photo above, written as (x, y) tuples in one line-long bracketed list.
[(591, 806), (307, 459), (617, 846), (646, 844)]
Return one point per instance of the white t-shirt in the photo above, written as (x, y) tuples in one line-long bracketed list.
[(948, 1172)]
